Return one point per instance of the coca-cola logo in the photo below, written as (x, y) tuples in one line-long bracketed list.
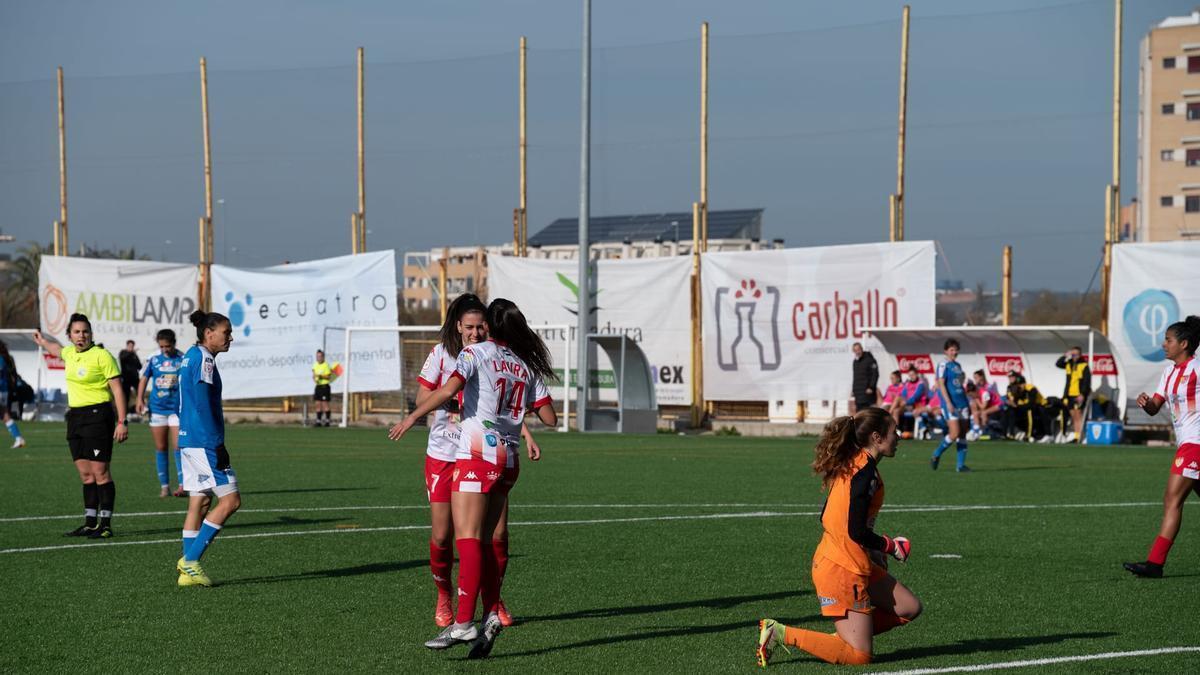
[(53, 362), (1002, 364), (1103, 364), (923, 363)]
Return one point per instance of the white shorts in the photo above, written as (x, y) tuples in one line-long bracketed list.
[(200, 474), (157, 420)]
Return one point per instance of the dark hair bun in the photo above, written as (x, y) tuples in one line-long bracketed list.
[(197, 318), (78, 317)]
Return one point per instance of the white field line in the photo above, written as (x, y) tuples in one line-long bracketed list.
[(591, 521), (397, 528), (915, 508), (1040, 662)]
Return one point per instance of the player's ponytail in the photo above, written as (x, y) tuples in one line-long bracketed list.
[(204, 321), (844, 437), (507, 324), (449, 336), (1188, 331)]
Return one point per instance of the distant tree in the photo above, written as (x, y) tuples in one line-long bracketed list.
[(1063, 309)]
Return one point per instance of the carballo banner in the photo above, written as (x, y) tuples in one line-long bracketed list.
[(645, 299), (123, 299), (280, 315), (778, 325), (1153, 286)]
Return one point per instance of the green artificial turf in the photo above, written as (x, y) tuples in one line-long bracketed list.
[(614, 567)]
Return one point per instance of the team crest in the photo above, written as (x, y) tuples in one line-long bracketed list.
[(455, 475), (1178, 461)]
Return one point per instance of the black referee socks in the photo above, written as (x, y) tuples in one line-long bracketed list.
[(108, 496), (91, 500)]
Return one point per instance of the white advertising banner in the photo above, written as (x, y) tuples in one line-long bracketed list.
[(123, 299), (1153, 286), (280, 315), (645, 299), (778, 325)]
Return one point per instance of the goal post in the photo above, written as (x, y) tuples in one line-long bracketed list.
[(425, 331)]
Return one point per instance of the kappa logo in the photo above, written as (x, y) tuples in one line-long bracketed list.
[(471, 476), (742, 313), (1194, 465), (1146, 318)]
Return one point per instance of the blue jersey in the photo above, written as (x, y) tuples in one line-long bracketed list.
[(163, 373), (201, 420), (951, 373)]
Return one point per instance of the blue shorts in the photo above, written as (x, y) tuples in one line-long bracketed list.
[(201, 475)]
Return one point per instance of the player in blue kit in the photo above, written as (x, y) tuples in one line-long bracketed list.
[(206, 469), (161, 378), (956, 408)]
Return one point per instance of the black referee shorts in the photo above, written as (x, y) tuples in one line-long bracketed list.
[(90, 432), (322, 393)]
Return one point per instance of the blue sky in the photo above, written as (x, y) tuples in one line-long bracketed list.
[(1009, 113)]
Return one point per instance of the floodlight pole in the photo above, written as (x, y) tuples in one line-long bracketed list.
[(523, 215), (896, 201), (585, 160), (61, 245), (206, 226), (1112, 193), (1006, 287)]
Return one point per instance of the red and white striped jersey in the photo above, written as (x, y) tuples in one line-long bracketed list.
[(1179, 390), (444, 431), (498, 390)]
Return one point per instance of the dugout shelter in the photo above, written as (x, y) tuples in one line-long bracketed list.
[(1030, 350)]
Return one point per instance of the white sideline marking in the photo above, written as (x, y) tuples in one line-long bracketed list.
[(1039, 662), (913, 508), (397, 528), (952, 556)]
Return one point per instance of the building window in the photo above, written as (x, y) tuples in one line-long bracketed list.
[(1167, 155), (1168, 108), (1191, 203), (1169, 62), (1194, 64), (1169, 200), (1193, 157), (1193, 111)]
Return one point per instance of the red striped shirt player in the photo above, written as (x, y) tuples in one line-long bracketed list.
[(501, 380), (1178, 391)]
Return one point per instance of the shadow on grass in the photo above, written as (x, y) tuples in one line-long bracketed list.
[(726, 602), (750, 626), (337, 573), (1043, 467), (984, 645), (236, 526), (303, 490)]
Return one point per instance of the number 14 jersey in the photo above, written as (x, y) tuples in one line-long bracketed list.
[(498, 390)]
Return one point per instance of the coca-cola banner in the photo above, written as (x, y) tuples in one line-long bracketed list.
[(1103, 364), (923, 363), (1153, 286), (778, 325), (1003, 364)]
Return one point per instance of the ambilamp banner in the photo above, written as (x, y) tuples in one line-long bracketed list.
[(281, 315), (124, 299), (645, 299), (778, 325), (1153, 286)]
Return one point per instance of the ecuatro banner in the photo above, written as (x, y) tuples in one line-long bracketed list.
[(1153, 286), (778, 325), (645, 299), (282, 315), (123, 299)]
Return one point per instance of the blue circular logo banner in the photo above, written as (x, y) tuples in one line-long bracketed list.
[(1146, 317)]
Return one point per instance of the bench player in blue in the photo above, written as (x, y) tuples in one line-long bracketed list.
[(206, 469), (956, 408), (158, 393)]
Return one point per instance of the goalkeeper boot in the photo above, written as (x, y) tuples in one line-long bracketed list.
[(454, 635), (770, 636), (191, 573), (1145, 569), (482, 646), (444, 614), (506, 619)]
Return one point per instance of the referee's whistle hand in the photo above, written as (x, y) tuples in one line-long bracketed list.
[(121, 433)]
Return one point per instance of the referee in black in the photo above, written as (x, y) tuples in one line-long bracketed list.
[(95, 418)]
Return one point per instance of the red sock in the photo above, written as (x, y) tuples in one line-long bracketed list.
[(491, 580), (1158, 552), (470, 570), (500, 546), (441, 563), (885, 621)]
